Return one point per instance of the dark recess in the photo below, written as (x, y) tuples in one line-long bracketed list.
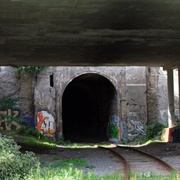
[(87, 103), (51, 80)]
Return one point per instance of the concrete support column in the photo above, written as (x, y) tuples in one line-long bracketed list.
[(171, 116), (179, 87)]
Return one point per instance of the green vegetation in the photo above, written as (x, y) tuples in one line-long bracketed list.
[(153, 134), (151, 176), (28, 135), (113, 131), (68, 174), (177, 120), (154, 131), (32, 132), (33, 70), (13, 163), (38, 143), (8, 103), (73, 162), (11, 103), (31, 136)]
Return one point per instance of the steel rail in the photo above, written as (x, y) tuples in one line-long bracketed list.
[(125, 162), (163, 163)]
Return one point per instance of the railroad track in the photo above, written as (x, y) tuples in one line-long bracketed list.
[(134, 160)]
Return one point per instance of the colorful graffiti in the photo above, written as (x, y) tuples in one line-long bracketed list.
[(45, 123), (28, 116), (136, 128), (4, 125), (124, 131), (114, 128)]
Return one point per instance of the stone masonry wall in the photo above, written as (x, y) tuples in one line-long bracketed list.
[(9, 82), (141, 93)]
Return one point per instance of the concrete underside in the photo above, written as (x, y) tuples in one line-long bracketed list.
[(90, 32)]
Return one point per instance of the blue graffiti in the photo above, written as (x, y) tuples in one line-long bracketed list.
[(114, 120)]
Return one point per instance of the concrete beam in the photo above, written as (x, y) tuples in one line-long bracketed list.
[(90, 32), (171, 116), (172, 65), (179, 87)]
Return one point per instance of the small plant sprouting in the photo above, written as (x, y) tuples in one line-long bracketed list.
[(33, 70)]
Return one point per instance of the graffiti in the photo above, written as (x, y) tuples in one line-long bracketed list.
[(136, 128), (4, 125), (45, 123), (124, 134), (27, 115), (114, 127)]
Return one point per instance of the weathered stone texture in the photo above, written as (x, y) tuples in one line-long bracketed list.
[(26, 94), (64, 75), (152, 94), (9, 82), (162, 96), (141, 92), (136, 93), (44, 94), (176, 92)]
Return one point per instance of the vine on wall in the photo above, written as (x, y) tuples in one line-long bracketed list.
[(33, 70)]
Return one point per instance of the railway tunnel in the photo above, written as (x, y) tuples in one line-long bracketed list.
[(87, 106)]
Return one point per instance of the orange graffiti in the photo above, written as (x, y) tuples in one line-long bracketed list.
[(45, 123), (41, 120)]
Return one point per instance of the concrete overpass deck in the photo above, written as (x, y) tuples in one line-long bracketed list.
[(90, 32)]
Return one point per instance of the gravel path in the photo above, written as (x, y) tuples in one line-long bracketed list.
[(105, 162)]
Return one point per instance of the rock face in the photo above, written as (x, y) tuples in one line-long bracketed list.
[(94, 102), (26, 94), (9, 82), (44, 94)]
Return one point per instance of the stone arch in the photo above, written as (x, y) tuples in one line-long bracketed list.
[(89, 101)]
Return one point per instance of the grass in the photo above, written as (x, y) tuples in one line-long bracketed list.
[(70, 169), (68, 144), (151, 176), (73, 173), (30, 140), (40, 143), (68, 174), (73, 162)]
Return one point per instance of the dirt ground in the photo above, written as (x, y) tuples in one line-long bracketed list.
[(103, 161), (169, 152)]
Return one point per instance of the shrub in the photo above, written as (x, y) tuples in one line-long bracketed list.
[(177, 120), (154, 130), (13, 163), (29, 131), (32, 132), (8, 103)]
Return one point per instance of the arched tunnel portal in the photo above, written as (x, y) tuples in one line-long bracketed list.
[(88, 103)]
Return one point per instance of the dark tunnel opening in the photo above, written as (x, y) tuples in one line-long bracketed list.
[(87, 105)]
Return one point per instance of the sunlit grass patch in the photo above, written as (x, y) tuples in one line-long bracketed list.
[(69, 173), (41, 143), (73, 162), (152, 176)]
